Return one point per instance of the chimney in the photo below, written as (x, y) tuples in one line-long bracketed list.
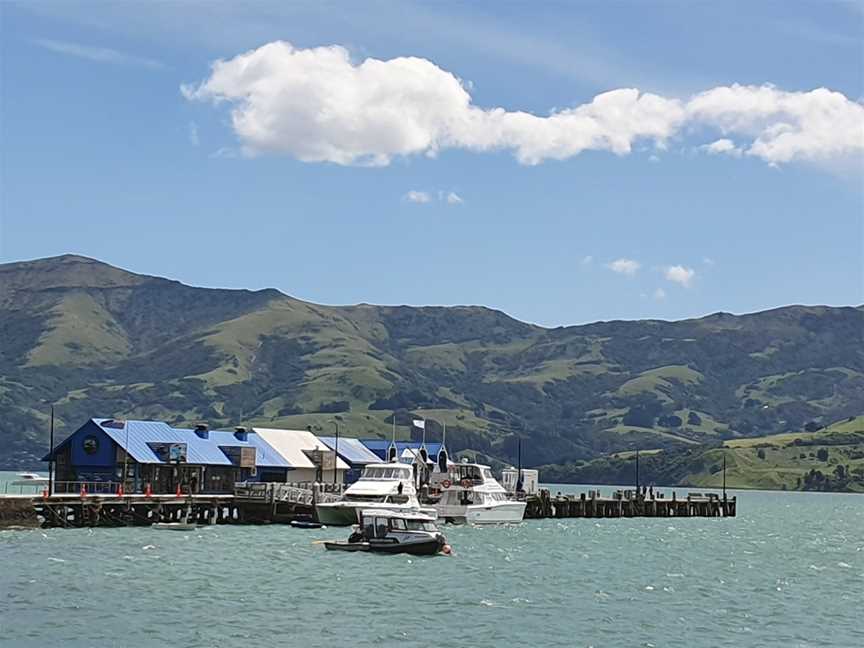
[(202, 431), (241, 433)]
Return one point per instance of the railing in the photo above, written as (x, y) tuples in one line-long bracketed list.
[(91, 487), (305, 493)]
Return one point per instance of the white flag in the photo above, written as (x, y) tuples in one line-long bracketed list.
[(420, 424)]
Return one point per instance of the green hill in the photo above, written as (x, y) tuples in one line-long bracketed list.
[(830, 459), (95, 340)]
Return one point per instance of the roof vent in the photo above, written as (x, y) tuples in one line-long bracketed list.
[(202, 431), (241, 433)]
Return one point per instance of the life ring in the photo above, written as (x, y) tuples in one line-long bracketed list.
[(446, 483), (466, 483)]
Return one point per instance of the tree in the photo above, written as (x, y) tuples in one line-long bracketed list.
[(822, 454), (761, 453), (694, 419), (812, 426)]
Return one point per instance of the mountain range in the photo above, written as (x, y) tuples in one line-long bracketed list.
[(95, 340)]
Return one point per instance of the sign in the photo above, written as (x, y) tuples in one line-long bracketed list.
[(323, 459), (244, 457), (169, 452)]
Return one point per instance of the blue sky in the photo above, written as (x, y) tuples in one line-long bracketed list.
[(103, 155)]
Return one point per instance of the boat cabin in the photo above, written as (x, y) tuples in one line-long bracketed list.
[(376, 523)]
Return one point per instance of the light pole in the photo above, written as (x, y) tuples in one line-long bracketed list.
[(336, 453)]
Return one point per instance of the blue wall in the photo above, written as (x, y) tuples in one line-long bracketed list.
[(106, 450)]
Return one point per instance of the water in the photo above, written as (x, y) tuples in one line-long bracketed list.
[(788, 571)]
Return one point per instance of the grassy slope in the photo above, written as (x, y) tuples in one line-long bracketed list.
[(97, 340)]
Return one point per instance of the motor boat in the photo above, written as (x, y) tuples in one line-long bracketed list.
[(393, 532), (305, 522), (471, 495), (387, 486), (176, 526), (29, 479)]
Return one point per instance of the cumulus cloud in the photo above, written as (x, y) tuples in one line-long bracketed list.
[(97, 54), (722, 147), (318, 105), (627, 267), (414, 196), (452, 198), (680, 275)]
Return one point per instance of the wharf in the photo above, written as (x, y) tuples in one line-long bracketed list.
[(249, 504), (628, 504), (269, 503)]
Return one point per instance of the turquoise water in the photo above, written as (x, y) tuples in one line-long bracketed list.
[(788, 571)]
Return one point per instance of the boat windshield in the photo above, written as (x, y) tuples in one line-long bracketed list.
[(412, 525), (386, 472), (364, 498)]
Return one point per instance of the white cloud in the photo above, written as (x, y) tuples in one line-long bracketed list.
[(627, 267), (654, 159), (587, 260), (98, 54), (452, 198), (722, 147), (414, 196), (320, 106), (194, 139), (659, 294), (708, 261), (679, 274)]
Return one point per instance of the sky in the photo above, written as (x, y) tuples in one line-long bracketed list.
[(563, 162)]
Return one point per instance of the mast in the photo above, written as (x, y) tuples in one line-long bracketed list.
[(519, 484), (51, 456), (724, 475), (637, 472)]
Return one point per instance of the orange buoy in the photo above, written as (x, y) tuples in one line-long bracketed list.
[(119, 490), (148, 491), (178, 493), (83, 490)]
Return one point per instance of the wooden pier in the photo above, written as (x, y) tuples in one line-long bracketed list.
[(269, 503), (626, 504)]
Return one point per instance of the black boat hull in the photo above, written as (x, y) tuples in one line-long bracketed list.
[(428, 547)]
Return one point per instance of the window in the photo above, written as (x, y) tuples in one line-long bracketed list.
[(398, 524), (380, 527)]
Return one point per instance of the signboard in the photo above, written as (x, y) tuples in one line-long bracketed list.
[(323, 459), (244, 457), (169, 452)]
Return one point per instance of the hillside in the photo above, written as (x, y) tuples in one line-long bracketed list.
[(99, 341), (829, 459)]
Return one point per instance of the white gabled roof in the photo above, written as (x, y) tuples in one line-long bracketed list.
[(292, 443)]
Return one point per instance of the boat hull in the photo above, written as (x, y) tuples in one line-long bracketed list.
[(426, 547), (502, 513)]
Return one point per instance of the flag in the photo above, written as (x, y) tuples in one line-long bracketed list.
[(420, 424)]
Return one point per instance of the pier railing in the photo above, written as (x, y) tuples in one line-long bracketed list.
[(306, 493)]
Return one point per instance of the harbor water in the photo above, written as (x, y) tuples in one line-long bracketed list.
[(787, 571)]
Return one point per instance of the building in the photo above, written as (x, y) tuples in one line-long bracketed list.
[(310, 459), (352, 452), (140, 453)]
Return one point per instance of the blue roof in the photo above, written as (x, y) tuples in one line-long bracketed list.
[(351, 450), (265, 457), (140, 433), (379, 446)]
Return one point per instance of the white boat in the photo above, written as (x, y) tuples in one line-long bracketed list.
[(175, 526), (470, 494), (29, 479), (385, 486)]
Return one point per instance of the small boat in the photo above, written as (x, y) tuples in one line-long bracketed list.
[(394, 532), (175, 526), (305, 522), (29, 479)]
